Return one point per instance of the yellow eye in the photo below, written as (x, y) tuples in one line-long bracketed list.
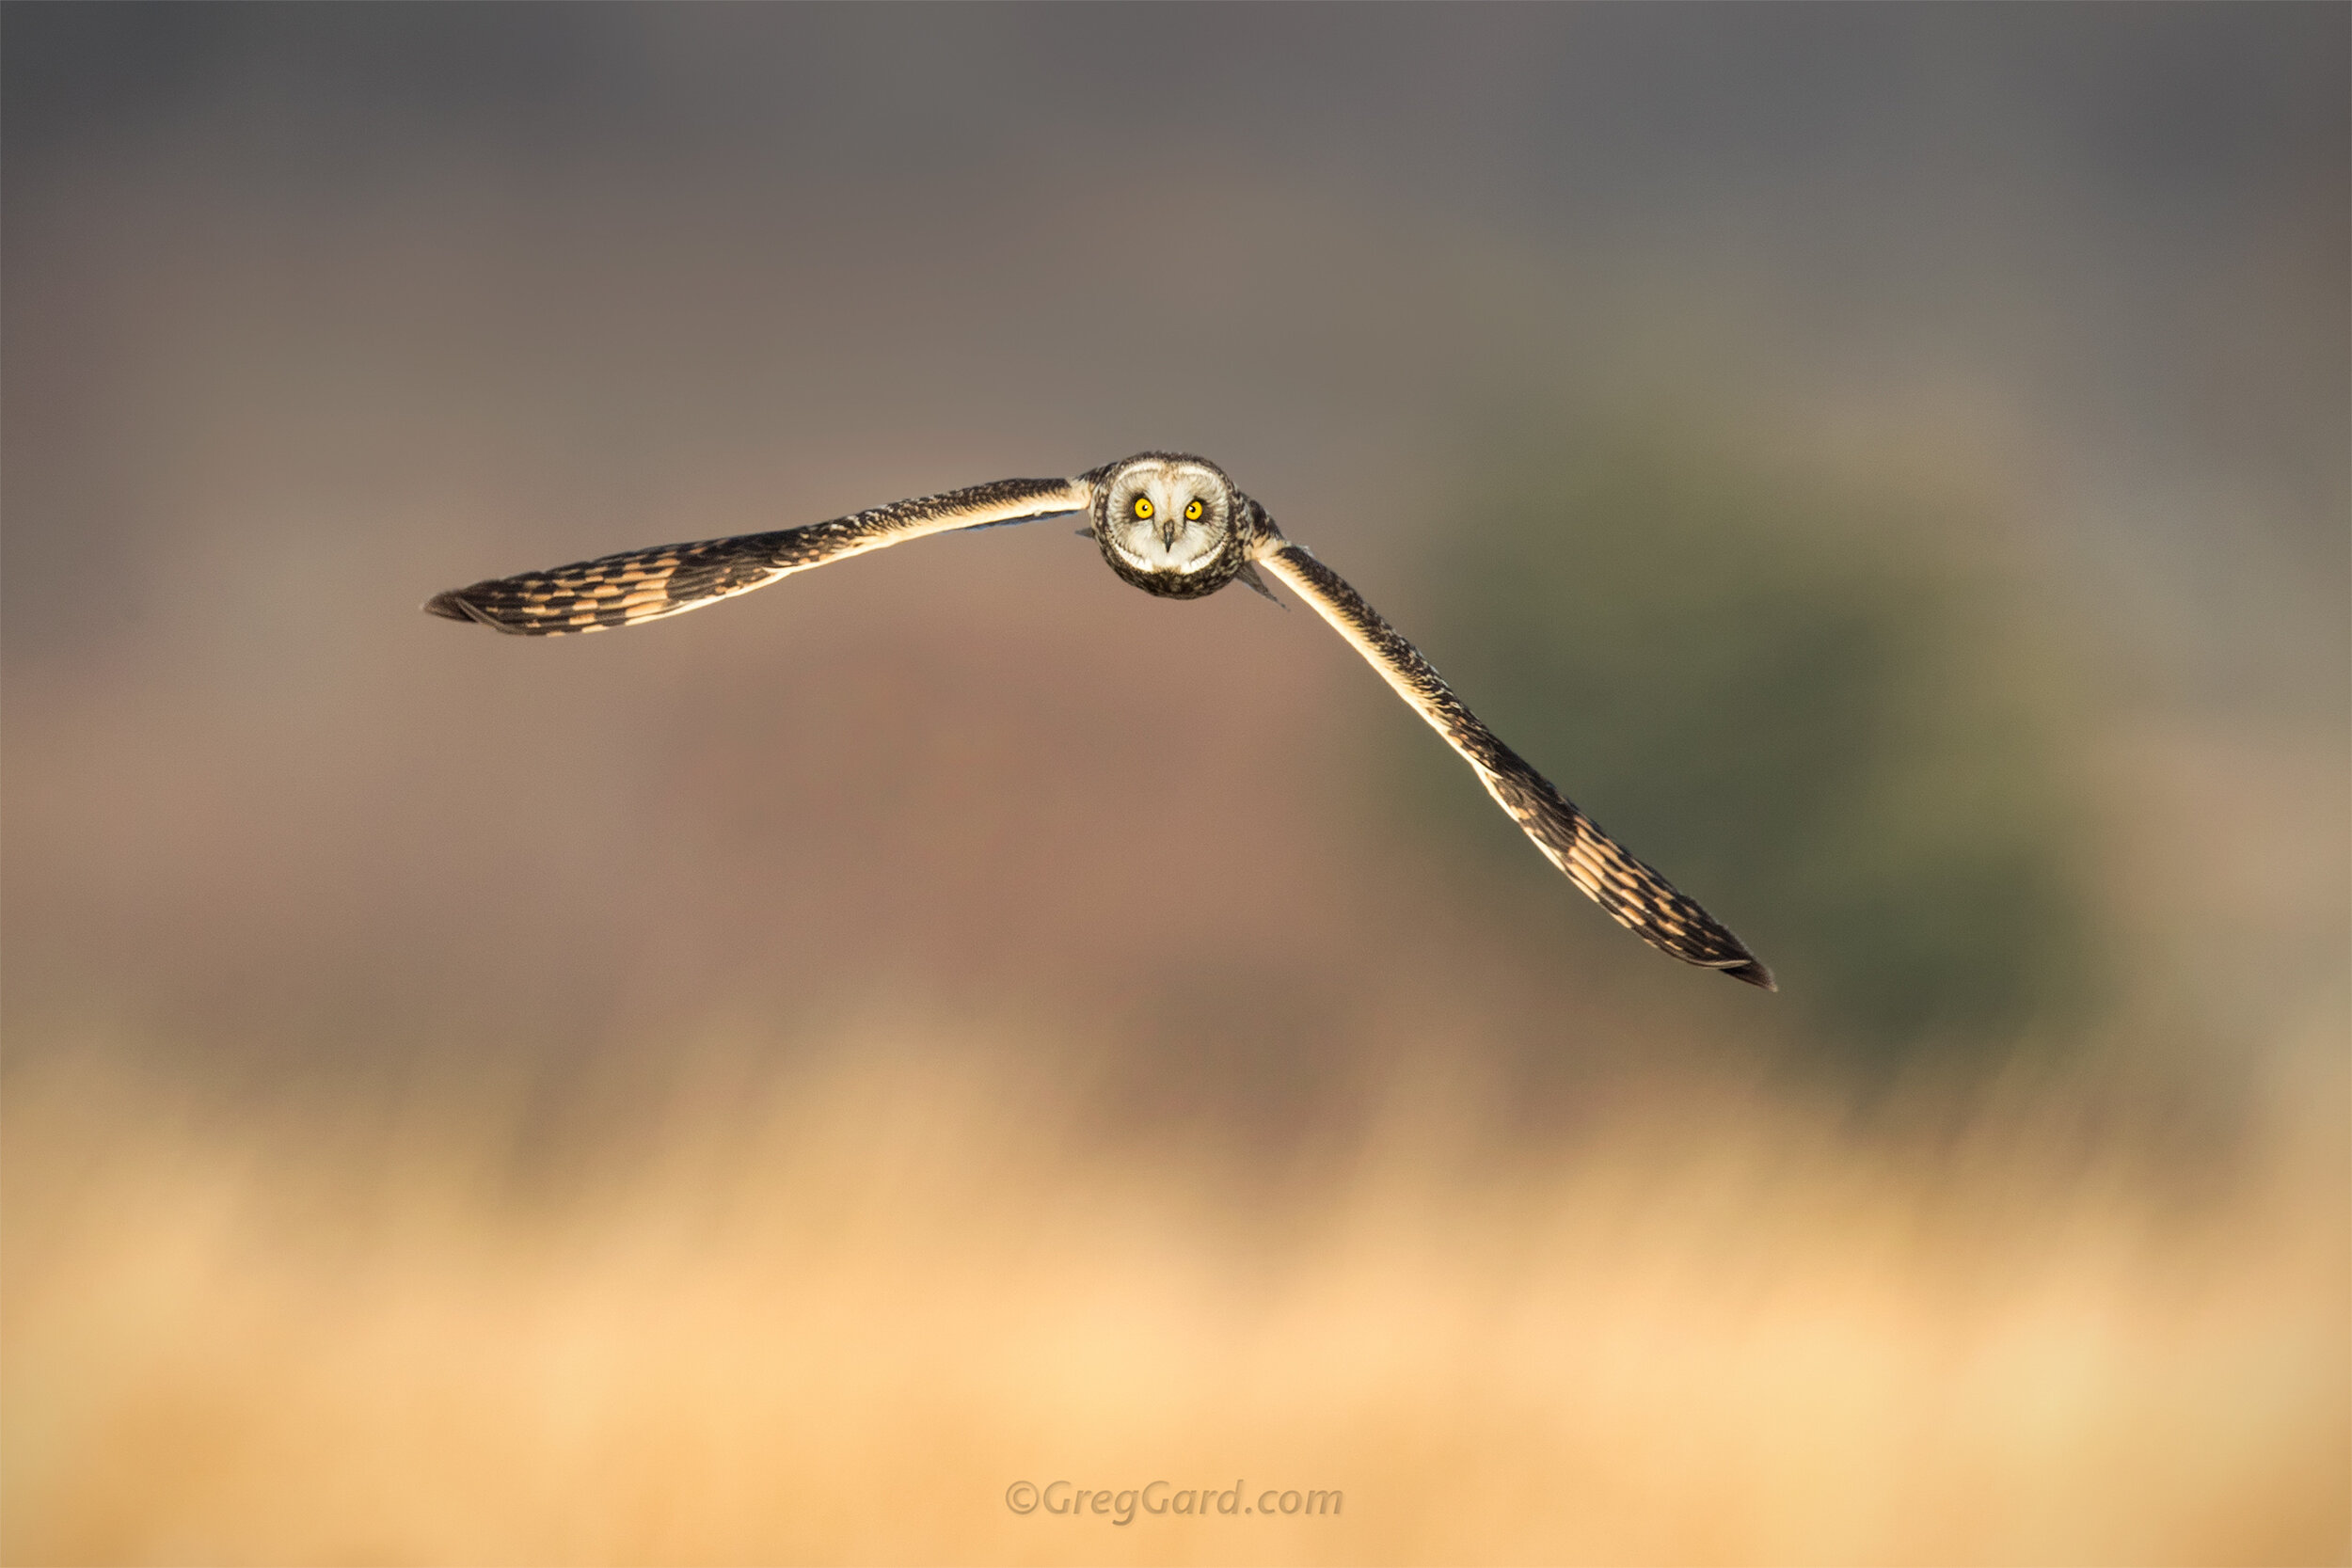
[(1143, 506), (1192, 512)]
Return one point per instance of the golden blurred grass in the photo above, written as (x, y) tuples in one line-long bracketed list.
[(831, 1313)]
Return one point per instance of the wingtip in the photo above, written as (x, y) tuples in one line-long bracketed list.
[(1754, 973), (454, 606)]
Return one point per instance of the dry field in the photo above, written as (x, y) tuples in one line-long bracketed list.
[(834, 1314)]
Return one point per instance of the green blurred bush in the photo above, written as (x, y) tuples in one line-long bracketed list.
[(1818, 709)]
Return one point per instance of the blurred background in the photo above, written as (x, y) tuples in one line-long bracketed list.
[(752, 1089)]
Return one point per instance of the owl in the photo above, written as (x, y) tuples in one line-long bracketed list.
[(1173, 525)]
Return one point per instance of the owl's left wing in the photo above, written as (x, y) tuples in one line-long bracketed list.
[(1635, 896), (668, 579)]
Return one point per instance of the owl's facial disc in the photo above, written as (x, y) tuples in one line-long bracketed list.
[(1169, 515)]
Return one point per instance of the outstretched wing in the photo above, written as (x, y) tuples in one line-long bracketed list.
[(645, 585), (1639, 898)]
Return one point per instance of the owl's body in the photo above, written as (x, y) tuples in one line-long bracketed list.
[(1173, 525)]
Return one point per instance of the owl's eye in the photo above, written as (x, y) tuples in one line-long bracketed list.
[(1192, 512), (1143, 506)]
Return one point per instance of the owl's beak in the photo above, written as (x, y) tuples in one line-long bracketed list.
[(1168, 531)]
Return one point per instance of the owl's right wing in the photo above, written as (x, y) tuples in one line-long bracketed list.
[(668, 579), (1635, 896)]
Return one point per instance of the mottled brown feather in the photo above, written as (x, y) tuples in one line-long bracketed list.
[(1635, 896), (667, 579)]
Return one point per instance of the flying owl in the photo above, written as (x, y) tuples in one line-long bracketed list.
[(1173, 525)]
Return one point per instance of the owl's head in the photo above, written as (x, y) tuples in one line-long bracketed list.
[(1169, 523)]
